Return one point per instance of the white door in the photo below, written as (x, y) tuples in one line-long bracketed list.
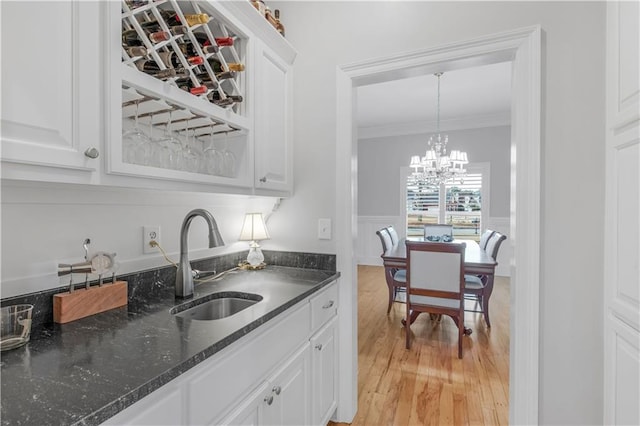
[(622, 217)]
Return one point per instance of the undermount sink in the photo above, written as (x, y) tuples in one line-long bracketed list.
[(216, 306)]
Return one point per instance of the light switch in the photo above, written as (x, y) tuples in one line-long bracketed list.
[(324, 229)]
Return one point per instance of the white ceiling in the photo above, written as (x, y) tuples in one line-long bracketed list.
[(470, 97)]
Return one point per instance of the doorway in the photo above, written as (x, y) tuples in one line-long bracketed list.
[(523, 48)]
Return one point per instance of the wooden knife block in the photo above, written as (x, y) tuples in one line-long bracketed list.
[(84, 302)]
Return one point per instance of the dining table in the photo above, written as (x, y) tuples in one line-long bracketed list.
[(476, 262)]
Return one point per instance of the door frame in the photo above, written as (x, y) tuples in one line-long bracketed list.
[(523, 48)]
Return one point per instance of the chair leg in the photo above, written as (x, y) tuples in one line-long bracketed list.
[(485, 310), (407, 327), (391, 297), (461, 332)]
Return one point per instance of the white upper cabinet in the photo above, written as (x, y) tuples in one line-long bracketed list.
[(273, 123), (162, 94), (51, 93)]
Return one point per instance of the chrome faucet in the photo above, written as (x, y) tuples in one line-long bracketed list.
[(184, 275)]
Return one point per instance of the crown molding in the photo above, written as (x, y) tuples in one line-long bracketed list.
[(422, 127)]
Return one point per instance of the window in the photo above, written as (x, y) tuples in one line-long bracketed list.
[(459, 204)]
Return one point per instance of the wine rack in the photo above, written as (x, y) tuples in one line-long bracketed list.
[(164, 109), (210, 30)]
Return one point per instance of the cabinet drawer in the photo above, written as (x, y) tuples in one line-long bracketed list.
[(324, 306)]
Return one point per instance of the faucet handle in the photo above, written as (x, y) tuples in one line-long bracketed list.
[(202, 274)]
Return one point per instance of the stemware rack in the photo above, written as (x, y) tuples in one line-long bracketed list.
[(136, 13), (154, 115)]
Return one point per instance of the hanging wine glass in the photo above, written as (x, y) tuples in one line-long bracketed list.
[(229, 158), (213, 158), (133, 140), (172, 148), (190, 157), (197, 146), (145, 155)]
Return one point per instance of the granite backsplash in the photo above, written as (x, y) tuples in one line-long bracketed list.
[(155, 282)]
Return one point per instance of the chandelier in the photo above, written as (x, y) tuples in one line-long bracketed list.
[(436, 167)]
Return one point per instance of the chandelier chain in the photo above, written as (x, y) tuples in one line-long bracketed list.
[(438, 167)]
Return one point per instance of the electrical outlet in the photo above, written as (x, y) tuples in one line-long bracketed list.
[(324, 229), (150, 233)]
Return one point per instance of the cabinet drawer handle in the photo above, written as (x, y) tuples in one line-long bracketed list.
[(268, 399), (263, 179), (319, 346), (328, 304), (92, 152), (277, 390)]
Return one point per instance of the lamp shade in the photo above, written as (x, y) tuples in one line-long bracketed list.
[(254, 228)]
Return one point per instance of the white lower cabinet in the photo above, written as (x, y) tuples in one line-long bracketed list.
[(324, 360), (283, 373), (283, 399)]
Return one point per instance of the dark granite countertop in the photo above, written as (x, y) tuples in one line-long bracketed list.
[(86, 371)]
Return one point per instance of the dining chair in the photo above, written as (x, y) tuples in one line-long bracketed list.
[(393, 234), (484, 238), (395, 278), (385, 239), (435, 283), (437, 231), (477, 287)]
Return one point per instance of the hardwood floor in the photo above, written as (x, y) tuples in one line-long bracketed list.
[(428, 384)]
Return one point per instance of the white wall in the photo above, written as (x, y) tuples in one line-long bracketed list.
[(46, 224), (380, 160), (330, 34)]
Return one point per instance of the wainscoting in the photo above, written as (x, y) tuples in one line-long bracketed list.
[(368, 248)]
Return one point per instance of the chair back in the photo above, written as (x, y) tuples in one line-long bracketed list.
[(484, 238), (394, 235), (493, 245), (435, 270), (385, 239), (436, 232)]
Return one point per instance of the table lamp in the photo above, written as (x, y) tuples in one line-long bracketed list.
[(254, 230)]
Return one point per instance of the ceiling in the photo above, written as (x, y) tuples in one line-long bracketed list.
[(469, 98)]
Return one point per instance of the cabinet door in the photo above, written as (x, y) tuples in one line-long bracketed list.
[(273, 122), (50, 90), (323, 367), (249, 412), (290, 391)]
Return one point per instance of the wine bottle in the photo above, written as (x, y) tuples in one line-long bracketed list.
[(136, 51), (198, 90), (171, 60), (151, 26), (172, 18), (224, 41), (150, 67), (187, 47), (205, 80), (134, 4), (231, 66), (279, 25), (225, 75), (132, 38), (217, 99), (269, 16), (259, 5)]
